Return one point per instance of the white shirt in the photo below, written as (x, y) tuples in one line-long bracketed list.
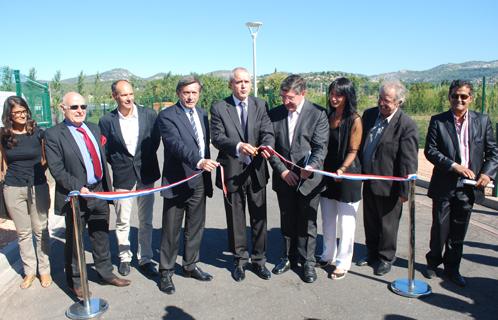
[(129, 129), (292, 118)]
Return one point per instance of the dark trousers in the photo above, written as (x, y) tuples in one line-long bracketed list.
[(95, 214), (236, 224), (381, 217), (450, 220), (193, 207), (298, 215)]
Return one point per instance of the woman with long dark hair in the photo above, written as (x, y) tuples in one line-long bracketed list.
[(339, 202), (25, 190)]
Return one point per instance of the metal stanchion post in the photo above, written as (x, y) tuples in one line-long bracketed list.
[(90, 307), (411, 287)]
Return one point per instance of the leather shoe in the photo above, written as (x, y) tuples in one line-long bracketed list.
[(166, 282), (430, 272), (382, 268), (118, 282), (283, 266), (365, 261), (309, 273), (124, 268), (78, 292), (149, 269), (456, 278), (261, 271), (197, 274), (239, 274)]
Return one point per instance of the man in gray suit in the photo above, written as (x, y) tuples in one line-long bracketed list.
[(301, 136), (239, 124)]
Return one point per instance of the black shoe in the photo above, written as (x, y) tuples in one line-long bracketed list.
[(239, 273), (430, 272), (124, 268), (322, 263), (261, 271), (365, 261), (149, 269), (382, 268), (309, 273), (197, 274), (283, 266), (456, 278), (166, 282)]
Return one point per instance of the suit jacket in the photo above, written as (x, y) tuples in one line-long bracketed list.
[(126, 168), (181, 151), (66, 163), (227, 133), (396, 154), (442, 150), (310, 134)]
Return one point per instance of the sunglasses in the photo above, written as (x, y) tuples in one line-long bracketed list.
[(462, 97), (75, 107)]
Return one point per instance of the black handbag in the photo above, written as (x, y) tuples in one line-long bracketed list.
[(4, 214)]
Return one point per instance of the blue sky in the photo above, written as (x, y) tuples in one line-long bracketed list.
[(147, 37)]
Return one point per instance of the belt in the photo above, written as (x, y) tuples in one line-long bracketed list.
[(93, 185)]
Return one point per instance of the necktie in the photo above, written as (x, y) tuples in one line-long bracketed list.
[(243, 118), (97, 167), (194, 127)]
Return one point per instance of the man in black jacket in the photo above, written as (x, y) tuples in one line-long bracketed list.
[(132, 142), (461, 145), (389, 148)]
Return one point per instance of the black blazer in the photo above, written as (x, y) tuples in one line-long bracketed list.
[(181, 152), (396, 153), (441, 149), (128, 169), (66, 163), (311, 134), (227, 133)]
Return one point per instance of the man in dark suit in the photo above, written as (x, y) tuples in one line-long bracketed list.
[(240, 124), (301, 136), (389, 148), (76, 160), (461, 145), (132, 142), (185, 133)]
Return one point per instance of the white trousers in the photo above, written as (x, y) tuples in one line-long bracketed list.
[(338, 221), (145, 207)]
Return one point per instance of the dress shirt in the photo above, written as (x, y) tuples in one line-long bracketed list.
[(129, 129), (462, 130)]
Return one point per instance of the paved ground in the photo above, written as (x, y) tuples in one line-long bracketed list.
[(361, 295)]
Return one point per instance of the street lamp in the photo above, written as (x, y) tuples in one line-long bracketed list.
[(253, 29)]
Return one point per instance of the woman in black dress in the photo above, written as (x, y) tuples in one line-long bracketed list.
[(339, 202), (25, 190)]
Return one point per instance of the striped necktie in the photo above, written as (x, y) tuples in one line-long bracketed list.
[(194, 127)]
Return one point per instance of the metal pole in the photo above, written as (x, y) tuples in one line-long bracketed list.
[(90, 307), (253, 35), (483, 102), (410, 287)]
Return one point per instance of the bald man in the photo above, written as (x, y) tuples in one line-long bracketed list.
[(76, 160)]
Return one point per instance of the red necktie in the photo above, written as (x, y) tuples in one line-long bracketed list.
[(97, 167)]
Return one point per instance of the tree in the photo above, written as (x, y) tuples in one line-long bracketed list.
[(7, 84), (80, 85), (32, 74), (98, 93), (56, 89)]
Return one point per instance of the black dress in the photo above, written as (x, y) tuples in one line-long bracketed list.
[(344, 190)]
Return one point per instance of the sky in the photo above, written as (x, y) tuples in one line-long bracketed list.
[(147, 37)]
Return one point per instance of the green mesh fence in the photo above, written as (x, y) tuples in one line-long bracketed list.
[(38, 98)]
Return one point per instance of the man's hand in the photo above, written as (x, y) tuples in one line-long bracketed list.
[(84, 190), (290, 178), (208, 165), (247, 150), (402, 199), (265, 154), (305, 173), (464, 172), (482, 181)]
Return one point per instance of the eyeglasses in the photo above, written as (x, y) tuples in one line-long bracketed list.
[(456, 96), (19, 113), (75, 107)]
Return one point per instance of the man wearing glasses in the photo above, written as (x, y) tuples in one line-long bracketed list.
[(461, 145), (389, 148), (76, 160), (301, 135)]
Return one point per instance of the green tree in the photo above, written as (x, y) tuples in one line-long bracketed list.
[(56, 89), (80, 85), (32, 74), (7, 83)]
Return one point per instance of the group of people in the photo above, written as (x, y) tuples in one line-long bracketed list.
[(383, 141)]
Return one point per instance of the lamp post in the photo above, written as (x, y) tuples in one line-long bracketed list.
[(253, 29)]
